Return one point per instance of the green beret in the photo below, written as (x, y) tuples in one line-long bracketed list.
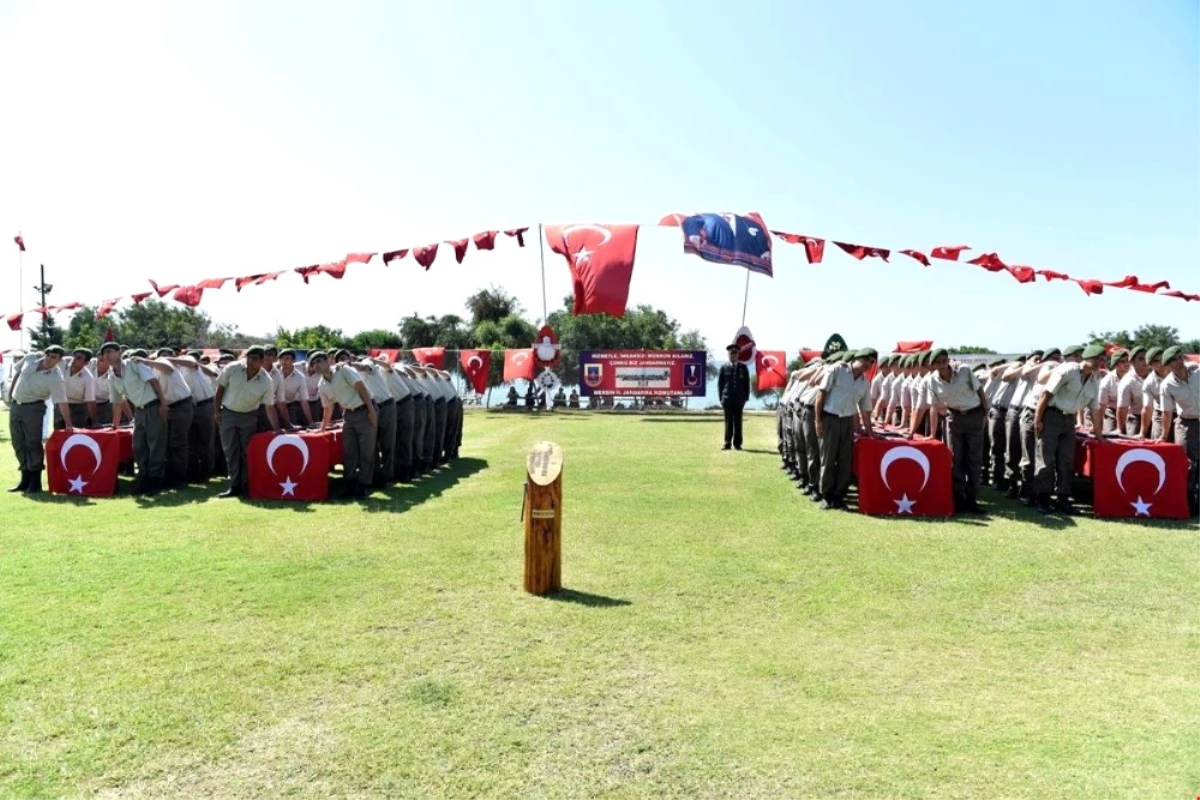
[(1117, 357), (867, 352), (196, 354), (934, 355), (1075, 350), (1172, 353), (270, 350), (923, 358), (287, 351), (1134, 352), (54, 350), (342, 352), (137, 353), (1033, 353), (104, 348), (1153, 354), (1050, 352), (317, 355), (83, 351), (1091, 351), (995, 362), (256, 350), (164, 351)]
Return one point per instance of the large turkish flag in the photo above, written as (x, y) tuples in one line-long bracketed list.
[(83, 463), (1138, 478), (902, 477), (289, 466), (601, 262)]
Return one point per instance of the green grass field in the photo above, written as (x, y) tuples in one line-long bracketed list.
[(720, 637)]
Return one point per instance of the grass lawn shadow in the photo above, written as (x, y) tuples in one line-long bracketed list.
[(586, 599), (404, 497)]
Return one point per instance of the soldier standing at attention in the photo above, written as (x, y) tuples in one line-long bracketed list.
[(1037, 373), (959, 389), (1118, 368), (810, 469), (243, 389), (291, 391), (1070, 386), (80, 383), (843, 404), (1152, 396), (1181, 405), (341, 384), (104, 409), (733, 389), (38, 380), (133, 378)]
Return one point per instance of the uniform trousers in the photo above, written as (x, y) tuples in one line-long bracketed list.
[(439, 432), (385, 440), (1133, 423), (837, 453), (179, 433), (1187, 435), (237, 429), (1012, 446), (812, 446), (315, 408), (25, 421), (358, 446), (454, 419), (997, 428), (79, 416), (1029, 447), (796, 435), (733, 422), (149, 442), (405, 428), (420, 422), (1110, 420), (200, 442), (1056, 455), (964, 438), (104, 412), (295, 413), (1156, 424), (781, 414)]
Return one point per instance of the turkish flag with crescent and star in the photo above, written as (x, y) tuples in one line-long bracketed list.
[(476, 365), (1138, 478), (83, 463), (518, 364), (770, 368), (601, 262), (901, 477), (429, 355), (289, 466)]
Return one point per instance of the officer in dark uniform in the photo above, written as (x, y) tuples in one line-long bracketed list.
[(733, 387)]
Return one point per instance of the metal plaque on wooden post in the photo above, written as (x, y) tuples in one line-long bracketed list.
[(543, 519)]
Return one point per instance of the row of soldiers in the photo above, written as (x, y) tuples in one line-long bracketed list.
[(1009, 423), (193, 418)]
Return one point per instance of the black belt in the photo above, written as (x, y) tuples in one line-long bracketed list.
[(1058, 411), (148, 405), (403, 400), (178, 403), (356, 408), (976, 409), (203, 402), (386, 403), (33, 403)]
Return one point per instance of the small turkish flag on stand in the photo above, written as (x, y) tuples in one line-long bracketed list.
[(1138, 478), (770, 367), (289, 466), (518, 364), (899, 477), (83, 463), (476, 365)]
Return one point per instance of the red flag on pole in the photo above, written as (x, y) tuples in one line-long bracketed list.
[(20, 240)]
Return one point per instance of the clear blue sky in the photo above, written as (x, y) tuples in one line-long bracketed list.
[(230, 138)]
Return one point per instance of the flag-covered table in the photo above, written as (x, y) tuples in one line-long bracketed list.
[(83, 462), (1136, 477), (292, 466), (898, 476)]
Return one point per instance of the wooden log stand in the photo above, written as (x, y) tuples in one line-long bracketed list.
[(543, 519)]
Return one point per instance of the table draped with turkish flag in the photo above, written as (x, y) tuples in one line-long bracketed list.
[(84, 462), (292, 466), (1134, 477), (903, 477)]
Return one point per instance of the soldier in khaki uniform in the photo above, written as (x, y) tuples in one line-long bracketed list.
[(1129, 393), (384, 472), (1181, 416), (291, 391), (811, 468), (180, 411), (201, 379), (1071, 386), (843, 405), (1151, 396), (1118, 367), (242, 390), (80, 384), (958, 388), (1037, 374), (133, 379), (341, 384), (37, 380)]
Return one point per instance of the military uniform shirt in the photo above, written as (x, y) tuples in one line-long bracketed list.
[(1033, 391), (1129, 392), (845, 394), (1182, 397), (960, 393), (340, 388), (244, 394), (313, 381), (292, 388), (396, 385), (1150, 391), (376, 385), (175, 385), (80, 387), (1070, 391), (197, 380), (1108, 390), (1006, 394), (133, 384), (31, 385), (101, 383)]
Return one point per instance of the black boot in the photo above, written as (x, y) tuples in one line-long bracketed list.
[(34, 485), (20, 487), (361, 490)]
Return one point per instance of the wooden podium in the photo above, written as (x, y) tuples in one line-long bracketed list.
[(543, 519)]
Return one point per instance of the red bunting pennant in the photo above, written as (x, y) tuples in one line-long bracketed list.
[(188, 295), (485, 240), (394, 255), (949, 252), (476, 364), (918, 256), (862, 251), (989, 261), (106, 307), (1089, 286), (358, 258), (425, 255), (460, 248), (270, 276), (247, 280), (1125, 283), (517, 232), (913, 347), (336, 271), (1152, 287), (70, 306), (139, 297), (1051, 275), (163, 290), (308, 272), (1022, 274), (814, 248), (211, 283), (14, 321), (1182, 295)]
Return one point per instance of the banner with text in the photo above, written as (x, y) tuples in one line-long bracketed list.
[(642, 373)]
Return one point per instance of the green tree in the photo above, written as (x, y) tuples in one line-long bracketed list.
[(46, 334), (314, 337), (1148, 335), (367, 340), (1122, 338), (491, 305), (508, 333), (84, 330)]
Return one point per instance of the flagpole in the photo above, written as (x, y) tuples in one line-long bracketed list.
[(746, 298), (542, 251)]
